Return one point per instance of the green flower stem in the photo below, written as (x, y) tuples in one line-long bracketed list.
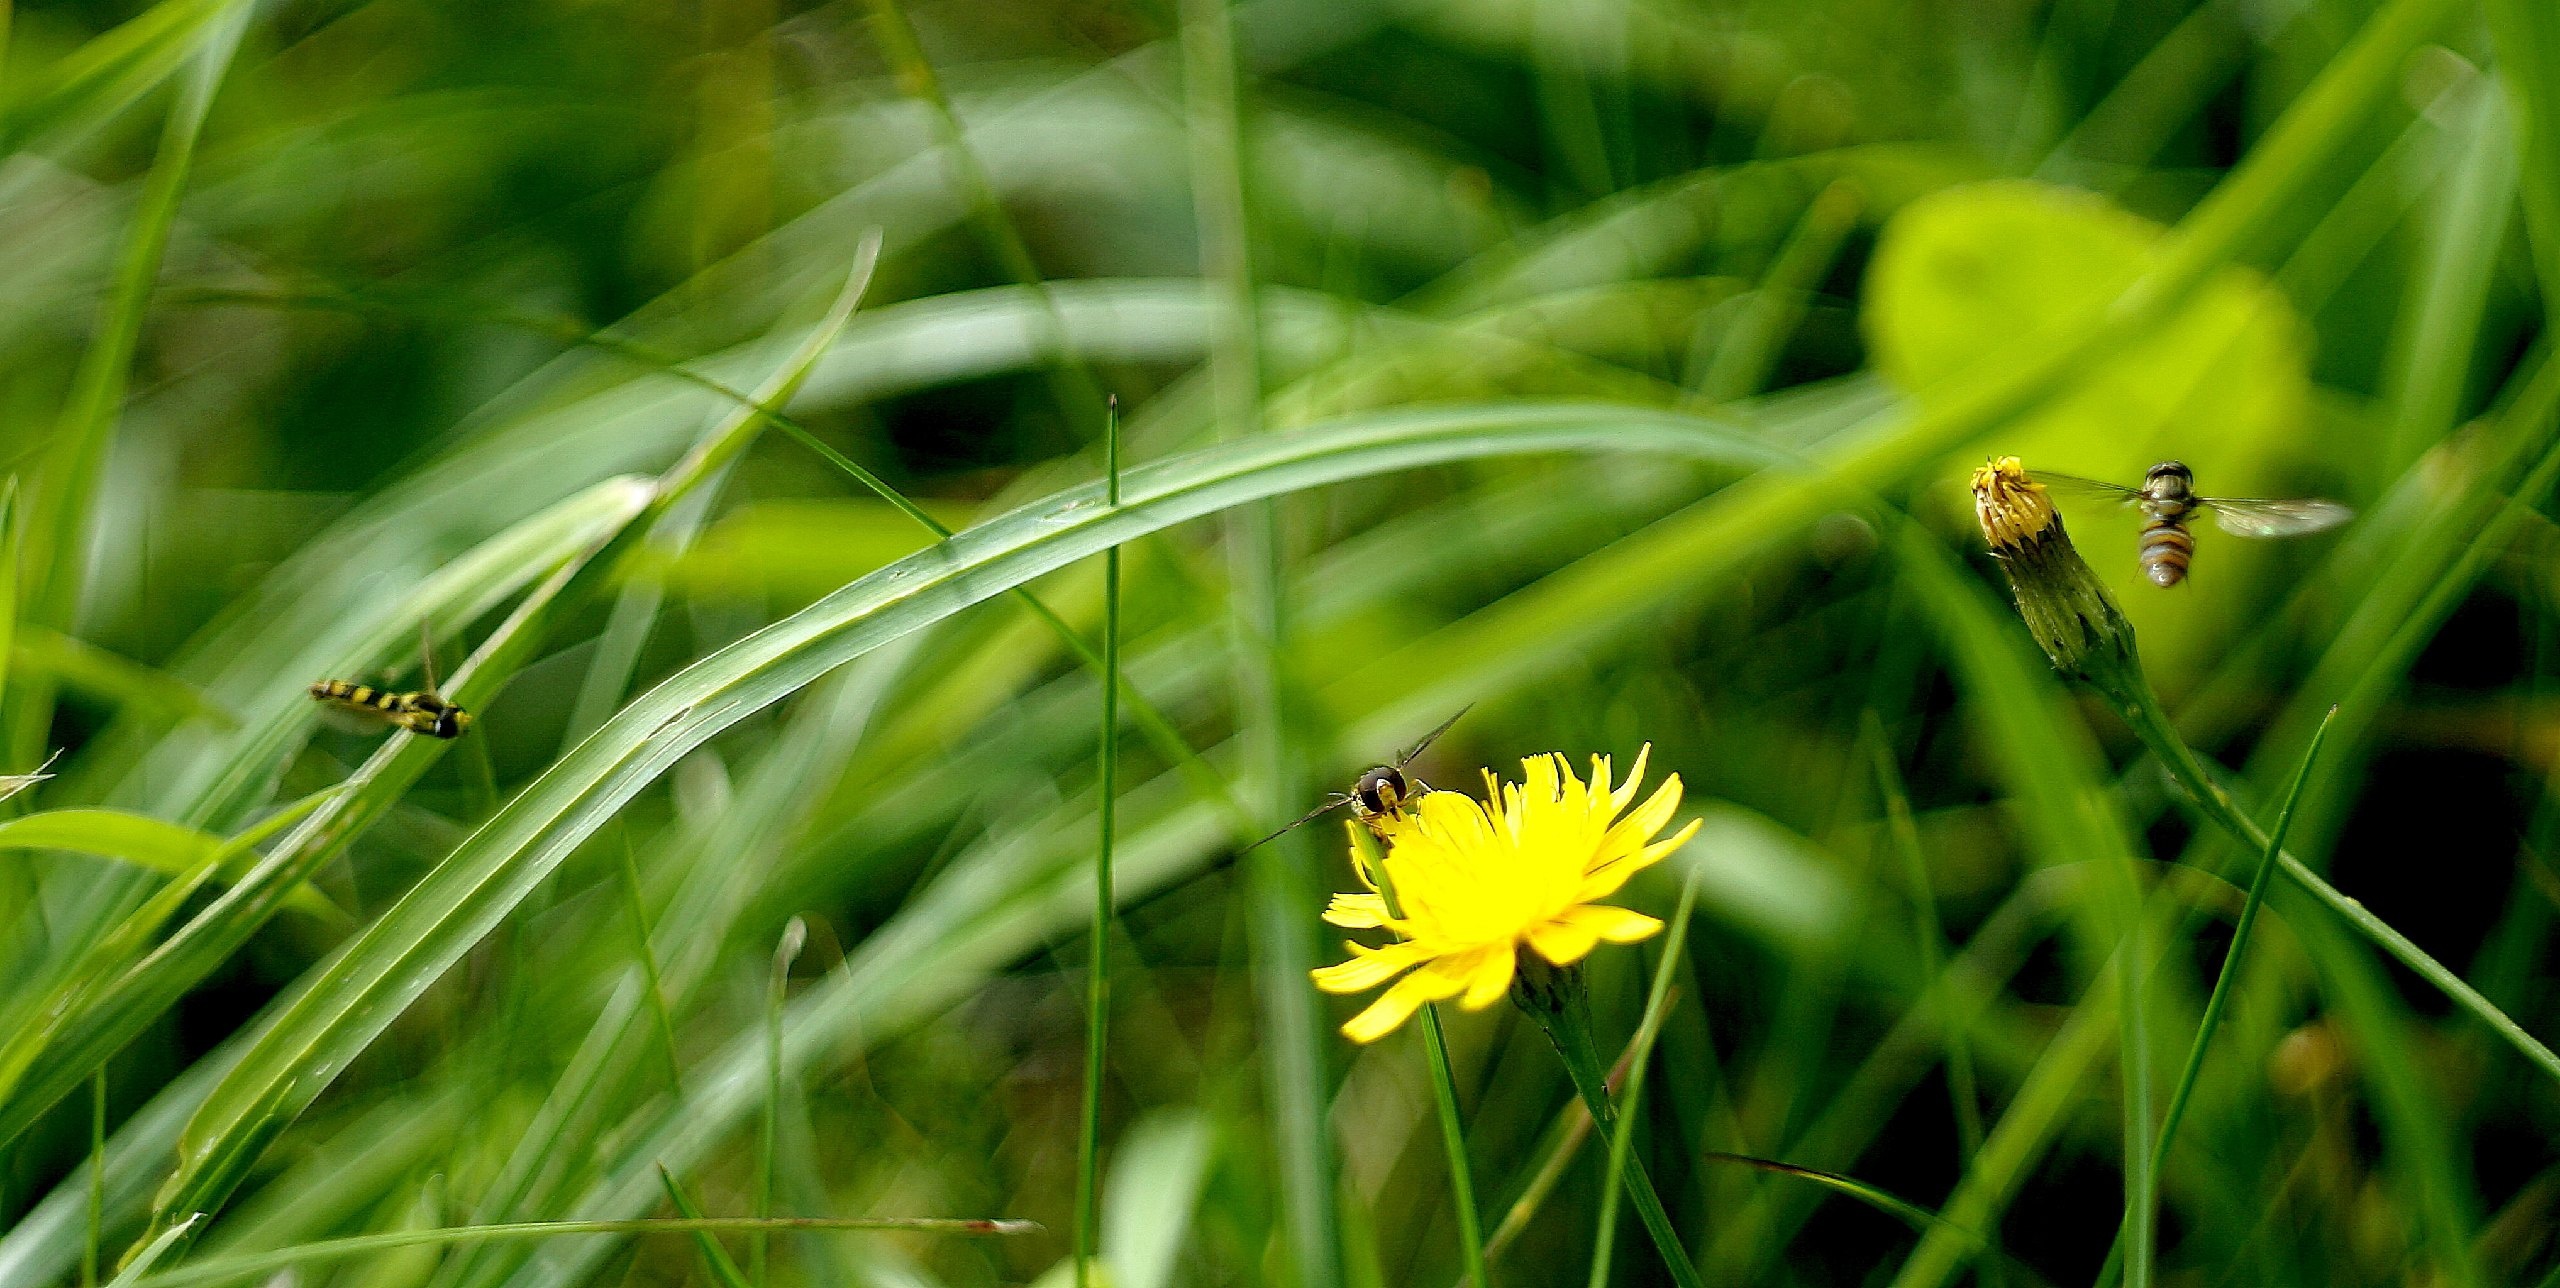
[(1462, 1185), (1567, 1022), (2223, 980), (2141, 709), (1444, 1092)]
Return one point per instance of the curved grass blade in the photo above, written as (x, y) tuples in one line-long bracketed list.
[(258, 1265), (338, 1009)]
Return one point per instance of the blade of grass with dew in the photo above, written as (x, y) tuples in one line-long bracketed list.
[(1640, 1054), (1097, 983)]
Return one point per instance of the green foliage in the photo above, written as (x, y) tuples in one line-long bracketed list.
[(1609, 365)]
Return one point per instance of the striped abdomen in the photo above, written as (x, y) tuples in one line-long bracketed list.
[(420, 713), (359, 697), (2167, 546)]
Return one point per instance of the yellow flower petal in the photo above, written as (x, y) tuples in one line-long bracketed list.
[(1397, 1005), (1616, 925), (1489, 977), (1368, 968), (1563, 942), (1357, 911)]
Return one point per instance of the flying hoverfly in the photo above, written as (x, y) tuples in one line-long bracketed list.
[(2168, 502), (1380, 794), (420, 711)]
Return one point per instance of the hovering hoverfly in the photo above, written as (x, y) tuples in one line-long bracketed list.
[(2168, 501), (421, 711), (1380, 794)]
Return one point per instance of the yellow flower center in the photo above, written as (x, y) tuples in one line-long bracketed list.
[(2011, 506)]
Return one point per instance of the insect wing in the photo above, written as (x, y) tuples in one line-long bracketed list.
[(1433, 736), (2072, 485), (1303, 819), (2249, 518)]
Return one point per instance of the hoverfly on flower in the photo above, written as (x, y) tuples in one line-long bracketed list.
[(2168, 502), (1474, 890), (1379, 797)]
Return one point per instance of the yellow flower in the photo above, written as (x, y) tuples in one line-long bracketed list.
[(1478, 882)]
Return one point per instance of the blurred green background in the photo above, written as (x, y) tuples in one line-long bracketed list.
[(1613, 366)]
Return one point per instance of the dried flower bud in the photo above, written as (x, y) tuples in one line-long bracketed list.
[(2066, 608)]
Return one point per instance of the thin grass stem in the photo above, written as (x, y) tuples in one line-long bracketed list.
[(643, 949), (2223, 980), (1283, 950), (1097, 1015), (1656, 1008), (97, 1176), (216, 1270), (1899, 824), (2151, 724), (795, 934)]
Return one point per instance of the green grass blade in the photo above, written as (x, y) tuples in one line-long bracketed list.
[(1656, 1008), (1105, 891), (61, 515), (715, 1258), (349, 998)]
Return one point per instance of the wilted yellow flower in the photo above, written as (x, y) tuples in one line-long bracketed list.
[(2065, 607), (1479, 882)]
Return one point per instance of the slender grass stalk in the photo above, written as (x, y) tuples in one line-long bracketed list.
[(2222, 982), (795, 935), (1097, 1015), (2230, 971), (1282, 949), (97, 1175), (715, 1259), (76, 455), (258, 1265), (1656, 1007), (1453, 1141), (1072, 383), (2151, 724), (1961, 1085), (1444, 1095), (643, 948)]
